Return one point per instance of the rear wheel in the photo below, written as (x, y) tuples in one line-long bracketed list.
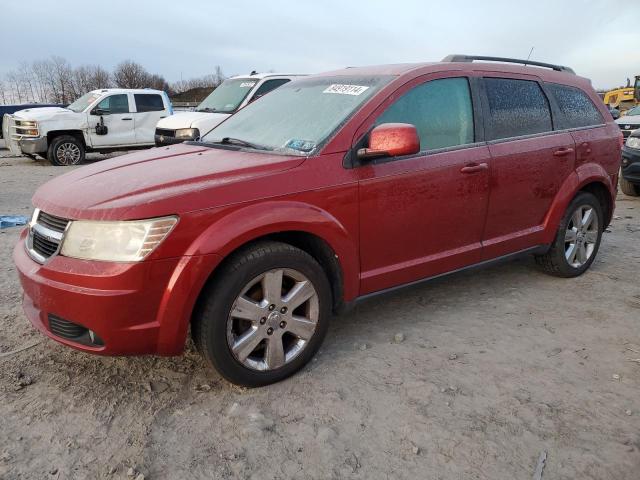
[(65, 150), (629, 188), (578, 238), (265, 315)]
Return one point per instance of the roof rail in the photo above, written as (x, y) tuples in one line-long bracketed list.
[(471, 58)]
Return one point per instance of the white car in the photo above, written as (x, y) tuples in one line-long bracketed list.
[(233, 94), (101, 121)]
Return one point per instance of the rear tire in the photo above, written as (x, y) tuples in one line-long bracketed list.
[(629, 188), (66, 150), (249, 325), (577, 240)]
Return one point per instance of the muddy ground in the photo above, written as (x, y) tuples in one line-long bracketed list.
[(496, 366)]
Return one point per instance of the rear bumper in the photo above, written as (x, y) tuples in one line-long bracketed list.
[(631, 164), (134, 308)]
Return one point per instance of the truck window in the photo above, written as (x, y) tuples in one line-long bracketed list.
[(516, 107), (441, 111), (577, 108), (115, 104), (148, 102), (269, 85)]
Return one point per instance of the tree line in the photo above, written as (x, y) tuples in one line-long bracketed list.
[(55, 80)]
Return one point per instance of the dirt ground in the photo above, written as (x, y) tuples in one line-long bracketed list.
[(496, 366)]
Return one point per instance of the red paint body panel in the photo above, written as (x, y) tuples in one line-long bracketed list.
[(388, 222)]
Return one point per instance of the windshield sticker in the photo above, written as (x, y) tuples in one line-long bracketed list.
[(247, 84), (300, 145), (345, 89)]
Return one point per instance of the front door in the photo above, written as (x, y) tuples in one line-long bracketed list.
[(424, 214), (116, 113)]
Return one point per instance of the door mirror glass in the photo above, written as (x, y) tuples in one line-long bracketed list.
[(391, 140), (100, 111)]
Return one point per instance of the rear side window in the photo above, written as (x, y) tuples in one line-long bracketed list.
[(516, 107), (269, 85), (441, 111), (148, 102), (576, 106), (115, 104)]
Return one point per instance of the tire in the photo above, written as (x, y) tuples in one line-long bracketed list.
[(629, 188), (218, 334), (66, 150), (561, 260)]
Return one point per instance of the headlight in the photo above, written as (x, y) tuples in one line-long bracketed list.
[(187, 133), (633, 142), (129, 241), (26, 123)]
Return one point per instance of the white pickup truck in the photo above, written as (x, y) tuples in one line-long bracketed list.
[(233, 94), (100, 121)]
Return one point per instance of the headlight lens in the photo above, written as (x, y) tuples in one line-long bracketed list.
[(633, 142), (187, 133), (129, 241)]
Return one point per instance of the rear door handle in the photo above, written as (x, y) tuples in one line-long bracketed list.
[(561, 152), (127, 118), (474, 167)]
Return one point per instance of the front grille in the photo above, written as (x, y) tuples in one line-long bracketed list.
[(51, 221), (43, 245), (65, 329), (165, 132)]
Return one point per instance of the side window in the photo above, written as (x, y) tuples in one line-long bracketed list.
[(148, 102), (269, 85), (516, 107), (441, 111), (576, 106), (115, 104)]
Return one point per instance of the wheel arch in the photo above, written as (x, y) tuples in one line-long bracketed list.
[(53, 134)]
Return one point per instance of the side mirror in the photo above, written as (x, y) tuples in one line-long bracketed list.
[(100, 111), (391, 140)]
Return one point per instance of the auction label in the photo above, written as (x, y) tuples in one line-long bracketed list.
[(345, 89)]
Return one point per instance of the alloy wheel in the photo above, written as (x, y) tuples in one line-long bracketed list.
[(581, 236), (273, 319), (68, 154)]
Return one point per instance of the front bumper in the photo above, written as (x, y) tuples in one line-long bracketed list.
[(33, 145), (134, 308), (631, 164)]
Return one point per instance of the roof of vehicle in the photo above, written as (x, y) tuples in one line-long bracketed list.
[(126, 90), (260, 76)]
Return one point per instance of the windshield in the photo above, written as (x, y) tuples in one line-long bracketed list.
[(227, 97), (299, 116), (84, 101), (633, 111)]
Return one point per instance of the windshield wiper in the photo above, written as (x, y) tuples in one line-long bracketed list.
[(242, 143), (206, 109)]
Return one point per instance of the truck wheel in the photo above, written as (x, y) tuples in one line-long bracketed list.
[(629, 188), (65, 150), (265, 314), (578, 238)]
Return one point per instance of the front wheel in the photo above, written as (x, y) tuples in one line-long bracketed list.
[(578, 238), (264, 316), (629, 188), (65, 150)]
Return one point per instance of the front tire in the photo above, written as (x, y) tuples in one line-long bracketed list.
[(578, 239), (66, 150), (629, 188), (265, 314)]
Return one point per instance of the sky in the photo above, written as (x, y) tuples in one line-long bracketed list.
[(599, 39)]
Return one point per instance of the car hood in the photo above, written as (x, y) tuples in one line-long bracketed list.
[(630, 120), (43, 113), (160, 181), (192, 120)]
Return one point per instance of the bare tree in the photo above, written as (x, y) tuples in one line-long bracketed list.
[(89, 77), (207, 81), (130, 74)]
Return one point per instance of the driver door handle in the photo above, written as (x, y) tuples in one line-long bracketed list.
[(474, 167), (127, 118), (561, 152)]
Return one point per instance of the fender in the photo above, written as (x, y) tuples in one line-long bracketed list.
[(230, 230), (583, 175)]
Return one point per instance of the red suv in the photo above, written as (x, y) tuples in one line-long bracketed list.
[(330, 189)]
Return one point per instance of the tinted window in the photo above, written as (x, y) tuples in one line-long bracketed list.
[(146, 102), (441, 110), (516, 107), (576, 106), (115, 104), (269, 85)]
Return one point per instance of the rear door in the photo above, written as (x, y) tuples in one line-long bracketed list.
[(117, 115), (423, 214), (529, 162), (150, 108)]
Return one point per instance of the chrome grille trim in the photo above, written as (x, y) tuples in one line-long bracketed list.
[(45, 236)]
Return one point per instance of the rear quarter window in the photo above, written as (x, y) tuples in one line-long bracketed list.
[(516, 108), (148, 102), (575, 105)]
